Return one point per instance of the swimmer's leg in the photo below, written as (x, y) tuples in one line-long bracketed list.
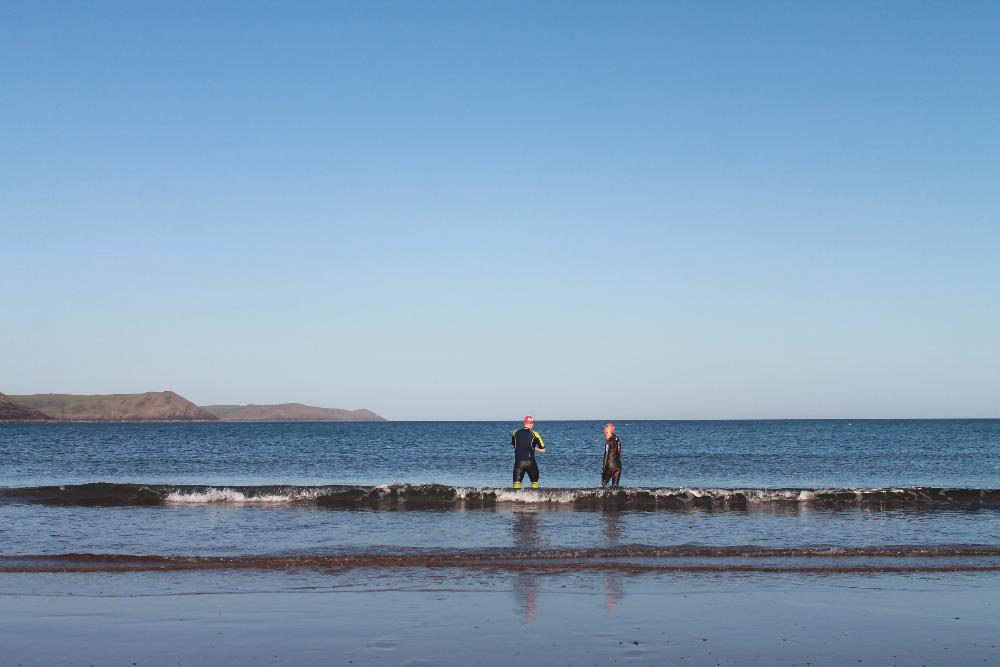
[(520, 468)]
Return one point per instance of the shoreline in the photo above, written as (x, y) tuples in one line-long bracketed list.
[(429, 619)]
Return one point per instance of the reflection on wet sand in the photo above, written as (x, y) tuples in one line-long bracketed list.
[(612, 581), (526, 536)]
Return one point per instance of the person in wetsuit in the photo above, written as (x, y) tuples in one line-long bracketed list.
[(525, 442), (611, 470)]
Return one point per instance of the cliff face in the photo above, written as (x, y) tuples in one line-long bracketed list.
[(288, 412), (150, 406), (14, 412)]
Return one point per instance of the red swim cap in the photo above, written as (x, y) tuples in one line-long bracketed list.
[(529, 420)]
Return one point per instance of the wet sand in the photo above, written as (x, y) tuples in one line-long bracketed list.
[(443, 617)]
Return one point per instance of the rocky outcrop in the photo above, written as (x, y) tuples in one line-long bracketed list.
[(289, 412), (150, 406), (11, 411)]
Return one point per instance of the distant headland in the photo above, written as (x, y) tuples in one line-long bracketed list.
[(15, 412), (288, 412), (159, 406)]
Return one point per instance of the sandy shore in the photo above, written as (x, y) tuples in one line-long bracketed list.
[(454, 618)]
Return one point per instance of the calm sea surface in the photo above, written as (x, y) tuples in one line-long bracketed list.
[(656, 454)]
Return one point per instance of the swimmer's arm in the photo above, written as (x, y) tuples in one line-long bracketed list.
[(540, 447)]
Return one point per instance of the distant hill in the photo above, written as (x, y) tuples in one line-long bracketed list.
[(14, 412), (150, 406), (289, 412)]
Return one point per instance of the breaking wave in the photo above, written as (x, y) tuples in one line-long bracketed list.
[(401, 496)]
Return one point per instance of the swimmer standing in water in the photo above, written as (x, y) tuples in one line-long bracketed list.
[(526, 442), (611, 470)]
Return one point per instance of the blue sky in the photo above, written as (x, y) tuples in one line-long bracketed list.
[(477, 210)]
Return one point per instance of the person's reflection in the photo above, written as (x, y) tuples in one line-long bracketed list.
[(526, 538), (612, 531), (612, 580)]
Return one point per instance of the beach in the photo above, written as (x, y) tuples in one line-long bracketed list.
[(456, 617)]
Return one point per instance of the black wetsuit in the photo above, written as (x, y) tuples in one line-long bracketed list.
[(612, 468), (525, 442)]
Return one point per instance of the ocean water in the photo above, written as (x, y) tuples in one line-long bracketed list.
[(753, 494)]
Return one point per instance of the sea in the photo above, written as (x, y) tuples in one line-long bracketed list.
[(715, 495), (732, 543)]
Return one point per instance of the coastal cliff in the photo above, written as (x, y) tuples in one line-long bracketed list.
[(149, 406), (289, 412), (11, 411)]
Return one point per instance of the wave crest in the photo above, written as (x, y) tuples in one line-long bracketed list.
[(401, 496)]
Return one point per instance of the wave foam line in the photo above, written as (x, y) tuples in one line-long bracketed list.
[(403, 496)]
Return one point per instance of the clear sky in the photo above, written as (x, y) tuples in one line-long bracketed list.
[(477, 210)]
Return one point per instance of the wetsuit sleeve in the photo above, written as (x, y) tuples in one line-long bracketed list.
[(538, 443), (513, 440)]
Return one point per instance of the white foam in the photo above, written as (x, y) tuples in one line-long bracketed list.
[(233, 496), (555, 496), (528, 496), (751, 495), (536, 496)]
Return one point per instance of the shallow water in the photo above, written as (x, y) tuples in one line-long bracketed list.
[(795, 484), (216, 529)]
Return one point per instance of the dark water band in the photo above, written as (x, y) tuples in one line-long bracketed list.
[(635, 558), (435, 496)]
